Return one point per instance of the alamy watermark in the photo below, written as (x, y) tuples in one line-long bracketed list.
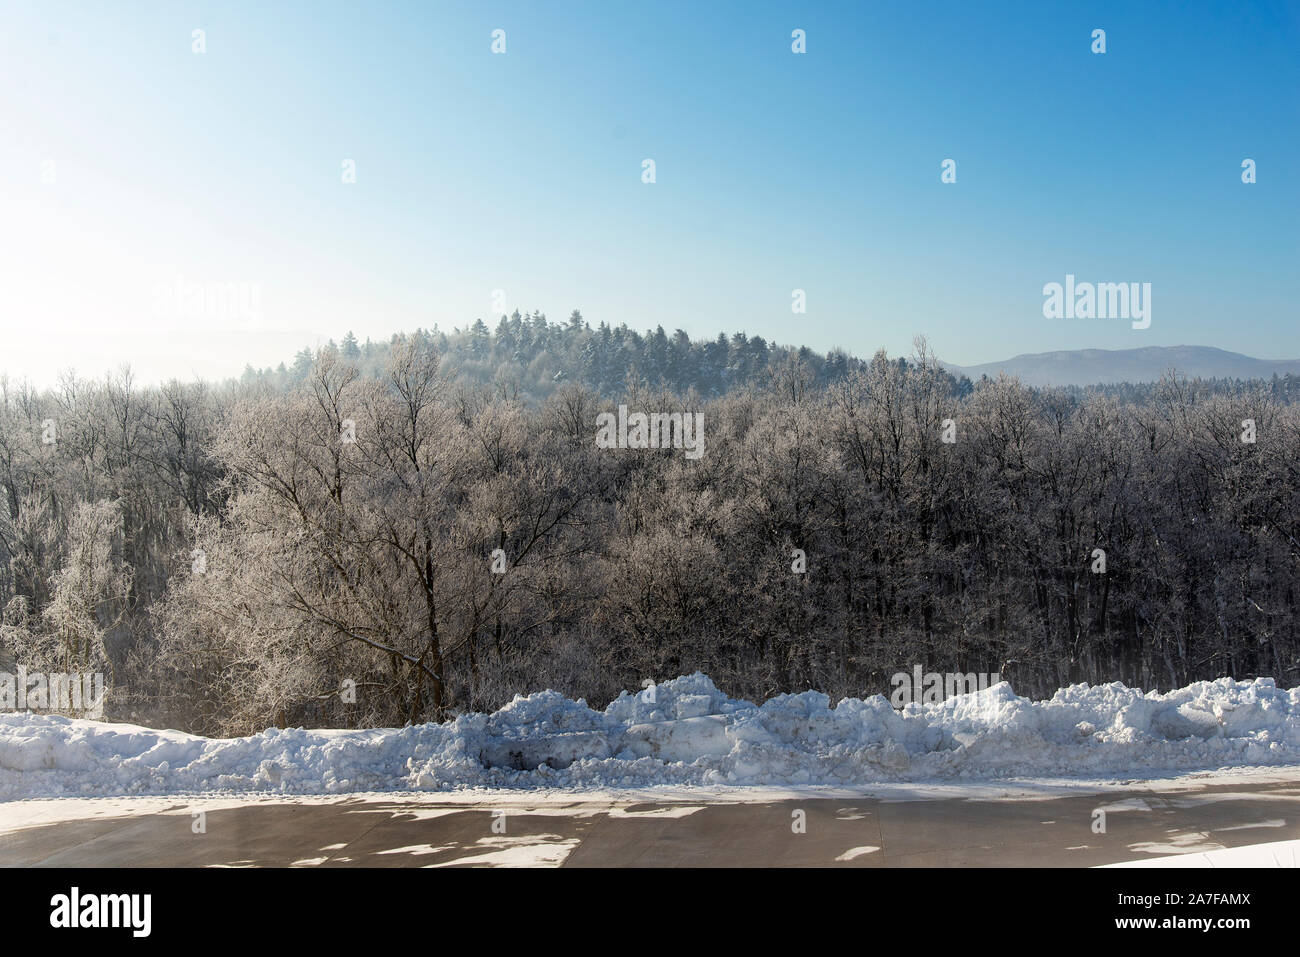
[(922, 687), (77, 692), (1103, 300), (228, 302), (77, 909), (654, 430)]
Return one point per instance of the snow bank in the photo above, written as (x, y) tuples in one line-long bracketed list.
[(689, 734)]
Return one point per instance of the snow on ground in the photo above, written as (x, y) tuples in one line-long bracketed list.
[(1274, 854), (689, 735)]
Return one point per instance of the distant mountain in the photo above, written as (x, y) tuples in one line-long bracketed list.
[(1106, 366)]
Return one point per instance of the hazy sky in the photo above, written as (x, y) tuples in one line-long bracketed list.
[(130, 164)]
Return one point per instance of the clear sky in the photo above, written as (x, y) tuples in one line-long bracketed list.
[(128, 160)]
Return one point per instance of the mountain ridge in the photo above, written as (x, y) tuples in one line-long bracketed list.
[(1083, 367)]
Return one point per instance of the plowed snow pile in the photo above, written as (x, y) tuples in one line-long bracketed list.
[(691, 733)]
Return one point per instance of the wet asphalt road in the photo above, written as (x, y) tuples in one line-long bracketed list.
[(426, 830)]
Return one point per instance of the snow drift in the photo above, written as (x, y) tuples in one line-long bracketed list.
[(689, 734)]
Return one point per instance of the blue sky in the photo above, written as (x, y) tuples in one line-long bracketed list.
[(522, 172)]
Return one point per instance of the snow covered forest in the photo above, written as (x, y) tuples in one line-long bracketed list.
[(231, 559)]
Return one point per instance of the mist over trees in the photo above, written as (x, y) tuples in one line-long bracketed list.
[(316, 545), (530, 357)]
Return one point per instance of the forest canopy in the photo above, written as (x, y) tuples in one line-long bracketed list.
[(387, 533)]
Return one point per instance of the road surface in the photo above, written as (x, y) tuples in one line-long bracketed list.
[(1140, 822)]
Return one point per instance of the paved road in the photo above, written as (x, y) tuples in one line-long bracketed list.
[(420, 830)]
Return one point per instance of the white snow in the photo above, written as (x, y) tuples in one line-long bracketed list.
[(1275, 854), (690, 735), (855, 852)]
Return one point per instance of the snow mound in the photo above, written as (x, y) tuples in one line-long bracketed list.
[(682, 732)]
